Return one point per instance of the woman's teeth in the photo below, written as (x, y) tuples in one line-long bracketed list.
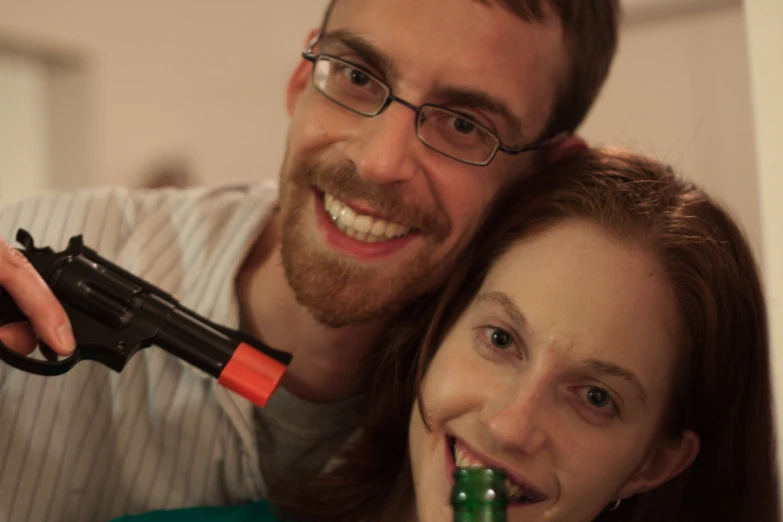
[(361, 227), (464, 459)]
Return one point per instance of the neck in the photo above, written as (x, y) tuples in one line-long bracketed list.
[(327, 362)]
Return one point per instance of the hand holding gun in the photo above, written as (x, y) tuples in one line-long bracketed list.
[(114, 314)]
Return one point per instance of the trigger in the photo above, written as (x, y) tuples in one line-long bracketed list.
[(49, 354)]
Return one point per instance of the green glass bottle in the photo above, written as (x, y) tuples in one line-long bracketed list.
[(479, 495)]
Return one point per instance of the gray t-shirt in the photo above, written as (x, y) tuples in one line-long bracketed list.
[(298, 438)]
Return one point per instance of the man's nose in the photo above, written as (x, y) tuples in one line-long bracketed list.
[(517, 422), (383, 147)]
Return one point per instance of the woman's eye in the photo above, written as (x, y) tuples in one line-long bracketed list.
[(600, 401), (499, 338), (597, 397), (496, 343)]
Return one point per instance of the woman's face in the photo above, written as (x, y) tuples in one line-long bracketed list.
[(558, 372)]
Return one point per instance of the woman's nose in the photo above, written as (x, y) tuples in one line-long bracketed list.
[(518, 422)]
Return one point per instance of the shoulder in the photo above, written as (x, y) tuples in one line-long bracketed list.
[(102, 215), (223, 209), (204, 203), (181, 236), (255, 512), (97, 212)]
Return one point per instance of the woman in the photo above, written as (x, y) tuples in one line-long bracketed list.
[(604, 342)]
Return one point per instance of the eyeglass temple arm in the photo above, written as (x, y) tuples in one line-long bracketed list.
[(308, 53), (546, 142)]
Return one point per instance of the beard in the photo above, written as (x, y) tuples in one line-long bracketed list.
[(336, 288)]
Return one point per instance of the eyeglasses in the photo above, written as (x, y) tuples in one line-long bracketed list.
[(448, 132)]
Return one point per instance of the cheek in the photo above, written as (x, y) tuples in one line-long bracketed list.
[(465, 196), (314, 124), (445, 393), (306, 133), (464, 192), (620, 453), (417, 437)]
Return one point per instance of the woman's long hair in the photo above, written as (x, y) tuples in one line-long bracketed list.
[(722, 388)]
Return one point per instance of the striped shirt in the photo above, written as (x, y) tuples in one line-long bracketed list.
[(94, 444)]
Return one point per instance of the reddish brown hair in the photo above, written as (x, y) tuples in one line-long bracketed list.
[(723, 389), (590, 29)]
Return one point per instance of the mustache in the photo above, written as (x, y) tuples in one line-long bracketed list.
[(344, 182)]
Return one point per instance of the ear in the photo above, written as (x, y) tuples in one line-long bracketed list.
[(300, 77), (566, 146), (666, 460)]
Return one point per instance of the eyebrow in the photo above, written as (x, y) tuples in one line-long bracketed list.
[(361, 46), (480, 100), (593, 365), (499, 298), (465, 97), (606, 368)]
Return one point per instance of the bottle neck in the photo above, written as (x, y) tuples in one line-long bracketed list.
[(482, 513), (479, 495)]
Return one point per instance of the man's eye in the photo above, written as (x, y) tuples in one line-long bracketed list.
[(356, 76), (463, 126)]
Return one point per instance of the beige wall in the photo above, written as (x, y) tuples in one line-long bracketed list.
[(24, 126), (766, 49), (192, 78), (679, 89)]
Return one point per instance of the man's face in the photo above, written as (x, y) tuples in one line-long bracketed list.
[(372, 217)]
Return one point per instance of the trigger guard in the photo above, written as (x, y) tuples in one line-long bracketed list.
[(30, 365)]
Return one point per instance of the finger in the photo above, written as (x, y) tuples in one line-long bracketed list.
[(19, 338), (35, 299)]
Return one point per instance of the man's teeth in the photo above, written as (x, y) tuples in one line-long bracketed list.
[(361, 227), (463, 459)]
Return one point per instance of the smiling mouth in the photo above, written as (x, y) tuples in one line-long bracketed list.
[(518, 493), (362, 227)]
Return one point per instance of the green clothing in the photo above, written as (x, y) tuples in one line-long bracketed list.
[(255, 512)]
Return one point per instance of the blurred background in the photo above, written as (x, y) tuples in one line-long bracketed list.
[(191, 92)]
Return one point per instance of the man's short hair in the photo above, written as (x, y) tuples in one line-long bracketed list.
[(590, 29)]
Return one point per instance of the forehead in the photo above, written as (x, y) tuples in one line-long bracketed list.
[(594, 297), (464, 44)]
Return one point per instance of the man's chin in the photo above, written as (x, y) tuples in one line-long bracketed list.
[(341, 318), (340, 292), (336, 303)]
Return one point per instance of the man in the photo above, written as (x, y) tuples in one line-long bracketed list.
[(407, 118)]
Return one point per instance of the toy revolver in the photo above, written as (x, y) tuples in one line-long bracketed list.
[(114, 314)]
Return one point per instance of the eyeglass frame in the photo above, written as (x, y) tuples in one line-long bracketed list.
[(308, 55)]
